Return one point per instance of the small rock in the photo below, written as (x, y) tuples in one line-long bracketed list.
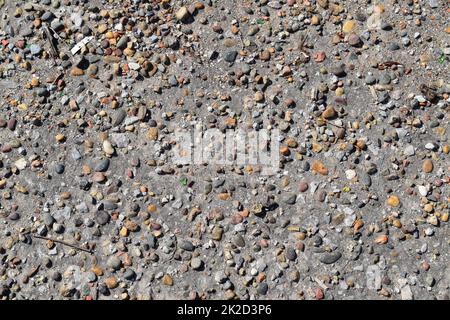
[(262, 288), (319, 167), (427, 166), (303, 186), (239, 241), (167, 280), (114, 263), (230, 56), (196, 263), (183, 14), (102, 166), (102, 217), (393, 201), (329, 258), (290, 254)]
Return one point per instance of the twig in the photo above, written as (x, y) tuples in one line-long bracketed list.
[(64, 243), (321, 284), (58, 77), (301, 45), (333, 124), (53, 47)]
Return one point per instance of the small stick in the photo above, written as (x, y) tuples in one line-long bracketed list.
[(50, 39), (64, 242), (58, 77), (333, 124)]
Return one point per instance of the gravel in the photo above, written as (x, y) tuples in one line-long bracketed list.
[(355, 205)]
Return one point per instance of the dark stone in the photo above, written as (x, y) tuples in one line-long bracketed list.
[(329, 258), (102, 217), (230, 56)]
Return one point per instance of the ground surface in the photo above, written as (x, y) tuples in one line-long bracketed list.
[(357, 210)]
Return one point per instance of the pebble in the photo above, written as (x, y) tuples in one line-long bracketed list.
[(303, 186), (12, 124), (59, 169), (329, 258), (290, 198), (182, 14), (230, 56), (338, 70), (114, 263), (290, 254), (365, 179), (370, 80), (167, 280), (427, 166), (108, 148), (119, 117), (393, 201), (348, 26), (186, 245), (129, 274), (196, 263), (111, 283), (262, 288), (329, 113), (102, 166), (35, 49), (102, 217), (239, 241), (354, 40), (319, 167)]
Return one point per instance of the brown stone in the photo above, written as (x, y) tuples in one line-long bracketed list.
[(393, 201), (427, 166), (76, 72), (152, 134), (329, 113), (97, 270), (303, 186), (167, 280), (264, 55), (319, 167), (98, 177), (381, 239), (111, 283)]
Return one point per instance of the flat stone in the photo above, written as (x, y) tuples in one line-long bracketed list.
[(329, 258), (119, 116), (186, 245)]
